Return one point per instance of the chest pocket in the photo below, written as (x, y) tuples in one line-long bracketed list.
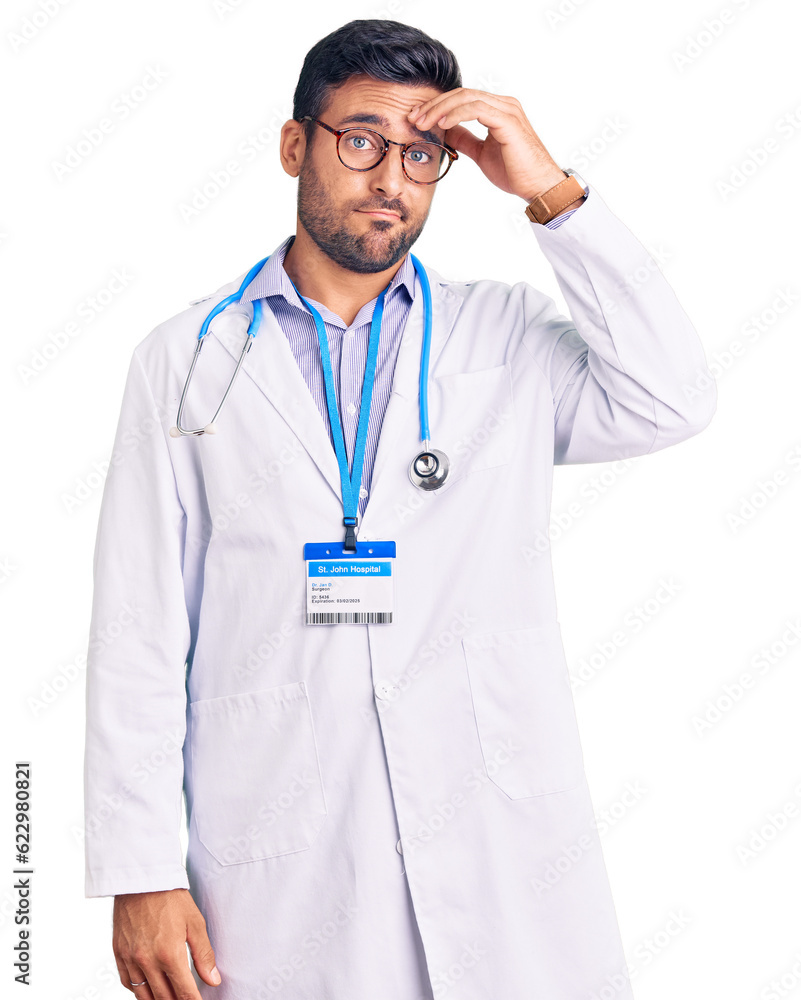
[(256, 785), (472, 420), (524, 710)]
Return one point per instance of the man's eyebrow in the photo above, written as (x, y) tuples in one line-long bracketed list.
[(373, 119)]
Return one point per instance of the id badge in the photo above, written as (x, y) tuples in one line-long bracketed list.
[(349, 588)]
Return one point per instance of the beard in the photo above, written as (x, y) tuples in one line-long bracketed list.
[(367, 253)]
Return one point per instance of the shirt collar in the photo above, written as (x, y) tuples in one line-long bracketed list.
[(272, 279)]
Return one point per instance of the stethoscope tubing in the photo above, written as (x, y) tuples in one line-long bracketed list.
[(253, 328)]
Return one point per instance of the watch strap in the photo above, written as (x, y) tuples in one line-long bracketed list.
[(551, 202)]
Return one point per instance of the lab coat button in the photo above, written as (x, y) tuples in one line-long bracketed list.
[(385, 690), (399, 847)]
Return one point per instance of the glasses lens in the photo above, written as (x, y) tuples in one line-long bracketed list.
[(361, 148), (426, 161)]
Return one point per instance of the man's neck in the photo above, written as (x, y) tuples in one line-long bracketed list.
[(318, 277)]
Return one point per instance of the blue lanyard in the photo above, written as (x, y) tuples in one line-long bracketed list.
[(351, 483)]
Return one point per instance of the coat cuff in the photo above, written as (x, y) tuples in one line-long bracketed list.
[(118, 881)]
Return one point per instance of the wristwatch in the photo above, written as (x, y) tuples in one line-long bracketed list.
[(551, 202)]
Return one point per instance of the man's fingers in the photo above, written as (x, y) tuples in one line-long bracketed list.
[(130, 973), (202, 951), (151, 931), (161, 987), (179, 983)]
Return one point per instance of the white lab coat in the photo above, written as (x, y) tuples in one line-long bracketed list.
[(382, 812)]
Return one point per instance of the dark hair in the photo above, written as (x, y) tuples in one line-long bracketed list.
[(385, 50)]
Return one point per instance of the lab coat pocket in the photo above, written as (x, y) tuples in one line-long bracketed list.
[(473, 420), (524, 710), (256, 786)]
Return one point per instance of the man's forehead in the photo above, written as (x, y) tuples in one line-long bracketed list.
[(401, 93), (379, 121), (362, 100)]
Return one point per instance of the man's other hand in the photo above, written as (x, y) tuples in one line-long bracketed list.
[(151, 931)]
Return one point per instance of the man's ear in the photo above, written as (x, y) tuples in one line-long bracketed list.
[(292, 146)]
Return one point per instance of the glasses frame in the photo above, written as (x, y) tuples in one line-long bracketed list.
[(452, 154)]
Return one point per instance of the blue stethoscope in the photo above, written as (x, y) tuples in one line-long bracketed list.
[(427, 470)]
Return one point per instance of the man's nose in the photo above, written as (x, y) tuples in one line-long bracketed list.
[(388, 176)]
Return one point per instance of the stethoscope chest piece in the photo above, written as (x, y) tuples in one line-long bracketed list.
[(429, 469)]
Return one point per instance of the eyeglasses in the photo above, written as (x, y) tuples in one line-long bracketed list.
[(364, 148)]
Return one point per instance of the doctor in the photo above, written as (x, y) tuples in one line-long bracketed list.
[(376, 811)]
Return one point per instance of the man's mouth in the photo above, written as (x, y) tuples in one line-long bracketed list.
[(379, 214)]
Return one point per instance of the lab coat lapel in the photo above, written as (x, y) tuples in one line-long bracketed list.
[(400, 430), (271, 365)]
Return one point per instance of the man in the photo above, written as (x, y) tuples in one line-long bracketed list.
[(375, 810)]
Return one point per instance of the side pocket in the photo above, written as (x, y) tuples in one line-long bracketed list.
[(257, 789), (524, 710)]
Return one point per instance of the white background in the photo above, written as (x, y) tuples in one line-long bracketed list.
[(698, 917)]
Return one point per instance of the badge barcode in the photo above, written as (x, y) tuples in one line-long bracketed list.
[(348, 617)]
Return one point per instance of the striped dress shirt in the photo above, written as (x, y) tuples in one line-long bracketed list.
[(347, 346)]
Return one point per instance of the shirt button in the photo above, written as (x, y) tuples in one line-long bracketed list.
[(385, 690), (399, 847), (351, 333), (362, 493), (351, 408)]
